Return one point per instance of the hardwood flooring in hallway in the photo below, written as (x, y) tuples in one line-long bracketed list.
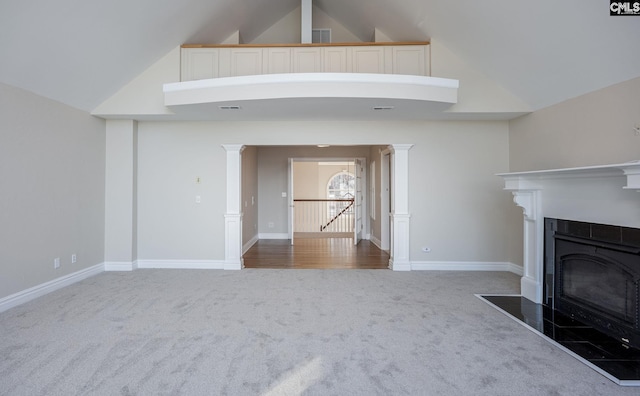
[(312, 253)]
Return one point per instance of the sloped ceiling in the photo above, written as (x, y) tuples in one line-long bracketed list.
[(544, 52)]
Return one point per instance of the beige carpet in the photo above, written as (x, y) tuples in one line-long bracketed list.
[(282, 332)]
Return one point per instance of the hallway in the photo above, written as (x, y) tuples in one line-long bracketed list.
[(316, 253)]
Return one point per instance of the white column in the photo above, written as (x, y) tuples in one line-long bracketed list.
[(120, 195), (400, 217), (533, 257), (233, 216), (306, 8)]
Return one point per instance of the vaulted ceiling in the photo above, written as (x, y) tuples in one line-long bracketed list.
[(81, 52)]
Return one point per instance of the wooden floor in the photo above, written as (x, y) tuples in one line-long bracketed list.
[(324, 253)]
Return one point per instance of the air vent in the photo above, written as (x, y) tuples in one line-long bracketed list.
[(321, 35), (384, 107), (229, 107)]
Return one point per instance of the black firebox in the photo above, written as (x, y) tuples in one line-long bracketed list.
[(593, 275)]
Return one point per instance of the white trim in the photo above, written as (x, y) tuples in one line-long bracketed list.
[(32, 293), (466, 266), (249, 244), (399, 266), (426, 84), (181, 264), (376, 242), (522, 180), (273, 235), (119, 266), (233, 215)]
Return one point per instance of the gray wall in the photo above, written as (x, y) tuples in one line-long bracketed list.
[(592, 129), (52, 175), (171, 225), (457, 204)]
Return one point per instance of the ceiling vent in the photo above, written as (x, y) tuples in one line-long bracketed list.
[(229, 107)]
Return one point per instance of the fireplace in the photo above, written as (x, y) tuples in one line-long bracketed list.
[(593, 275)]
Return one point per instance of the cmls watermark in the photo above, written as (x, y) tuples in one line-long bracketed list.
[(624, 7)]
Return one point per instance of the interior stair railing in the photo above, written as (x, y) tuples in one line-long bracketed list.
[(323, 217)]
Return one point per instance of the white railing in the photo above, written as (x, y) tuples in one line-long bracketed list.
[(327, 216)]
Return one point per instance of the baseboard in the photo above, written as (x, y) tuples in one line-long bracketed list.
[(248, 245), (119, 266), (515, 268), (376, 242), (181, 264), (400, 265), (465, 266), (40, 290), (273, 236)]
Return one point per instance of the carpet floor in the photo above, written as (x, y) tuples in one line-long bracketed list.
[(283, 332)]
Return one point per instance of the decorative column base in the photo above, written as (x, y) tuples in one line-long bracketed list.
[(399, 260), (533, 260), (233, 246), (531, 289)]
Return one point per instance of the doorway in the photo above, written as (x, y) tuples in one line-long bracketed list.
[(235, 246), (326, 198)]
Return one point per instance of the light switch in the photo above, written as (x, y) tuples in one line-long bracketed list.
[(198, 199), (284, 195)]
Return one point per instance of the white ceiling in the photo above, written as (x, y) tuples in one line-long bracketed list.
[(81, 52)]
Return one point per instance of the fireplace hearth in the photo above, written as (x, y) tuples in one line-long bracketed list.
[(595, 275), (584, 269)]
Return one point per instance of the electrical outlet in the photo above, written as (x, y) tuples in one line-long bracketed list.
[(74, 258), (56, 263), (271, 225)]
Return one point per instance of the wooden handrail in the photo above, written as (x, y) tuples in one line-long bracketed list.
[(323, 200)]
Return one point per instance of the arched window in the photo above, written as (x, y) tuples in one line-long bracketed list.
[(341, 186)]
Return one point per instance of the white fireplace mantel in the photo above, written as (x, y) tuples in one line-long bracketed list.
[(531, 180), (606, 194)]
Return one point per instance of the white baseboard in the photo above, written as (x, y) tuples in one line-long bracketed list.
[(273, 236), (376, 242), (400, 265), (181, 264), (119, 266), (248, 245), (465, 266), (515, 268), (40, 290)]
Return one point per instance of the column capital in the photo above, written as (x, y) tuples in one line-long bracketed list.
[(234, 147)]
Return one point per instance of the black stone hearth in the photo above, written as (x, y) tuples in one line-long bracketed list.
[(616, 360)]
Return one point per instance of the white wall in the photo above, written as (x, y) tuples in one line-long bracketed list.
[(592, 129), (52, 175), (457, 205)]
